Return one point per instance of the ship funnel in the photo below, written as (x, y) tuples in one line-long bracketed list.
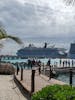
[(45, 45)]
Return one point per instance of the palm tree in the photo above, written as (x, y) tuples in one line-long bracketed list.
[(4, 35), (70, 2)]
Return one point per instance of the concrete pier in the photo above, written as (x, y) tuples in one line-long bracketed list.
[(40, 80), (9, 90)]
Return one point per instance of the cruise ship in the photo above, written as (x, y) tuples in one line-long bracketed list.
[(49, 52), (71, 53)]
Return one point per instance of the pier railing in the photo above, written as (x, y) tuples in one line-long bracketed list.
[(36, 71), (31, 75)]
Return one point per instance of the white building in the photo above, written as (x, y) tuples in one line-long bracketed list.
[(71, 53)]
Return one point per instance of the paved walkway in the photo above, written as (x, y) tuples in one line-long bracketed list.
[(40, 80), (8, 89)]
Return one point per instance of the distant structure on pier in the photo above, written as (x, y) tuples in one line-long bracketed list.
[(71, 53)]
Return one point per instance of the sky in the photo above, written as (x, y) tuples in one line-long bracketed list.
[(38, 18)]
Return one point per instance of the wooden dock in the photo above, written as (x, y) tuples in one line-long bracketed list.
[(61, 69), (64, 69)]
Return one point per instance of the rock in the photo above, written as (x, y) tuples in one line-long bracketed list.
[(6, 68)]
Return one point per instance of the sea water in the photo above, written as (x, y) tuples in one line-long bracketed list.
[(66, 78), (55, 61)]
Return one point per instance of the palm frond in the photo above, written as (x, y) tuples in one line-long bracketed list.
[(4, 35), (16, 39), (70, 2)]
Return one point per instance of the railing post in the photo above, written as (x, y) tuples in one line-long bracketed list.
[(21, 73), (43, 66), (33, 81), (50, 73), (17, 69), (39, 69), (71, 74), (0, 61), (43, 69)]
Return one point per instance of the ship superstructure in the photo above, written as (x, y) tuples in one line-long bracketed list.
[(51, 52)]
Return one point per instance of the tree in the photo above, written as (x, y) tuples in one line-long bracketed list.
[(70, 2), (4, 35)]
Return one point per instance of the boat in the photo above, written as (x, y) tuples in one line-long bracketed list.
[(50, 52), (71, 53)]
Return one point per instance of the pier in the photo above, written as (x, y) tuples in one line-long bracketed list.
[(9, 90), (59, 69), (11, 57), (39, 81), (31, 79)]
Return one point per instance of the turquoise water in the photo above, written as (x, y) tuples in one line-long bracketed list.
[(43, 60), (14, 61)]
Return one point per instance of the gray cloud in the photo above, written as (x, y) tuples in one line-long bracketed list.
[(37, 19)]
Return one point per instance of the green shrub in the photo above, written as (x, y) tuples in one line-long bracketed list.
[(55, 92)]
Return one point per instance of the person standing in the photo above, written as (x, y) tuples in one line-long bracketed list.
[(49, 62), (60, 62)]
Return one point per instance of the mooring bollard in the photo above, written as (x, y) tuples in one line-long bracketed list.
[(33, 81), (21, 73), (71, 74)]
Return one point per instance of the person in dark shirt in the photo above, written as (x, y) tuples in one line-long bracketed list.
[(60, 62), (49, 62), (72, 63)]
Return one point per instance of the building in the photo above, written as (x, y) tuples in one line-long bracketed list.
[(71, 53)]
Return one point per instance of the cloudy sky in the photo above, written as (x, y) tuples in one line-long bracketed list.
[(38, 18)]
